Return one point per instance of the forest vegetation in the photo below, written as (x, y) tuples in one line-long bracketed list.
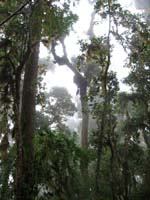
[(41, 158)]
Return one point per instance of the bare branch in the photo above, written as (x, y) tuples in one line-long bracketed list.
[(64, 59)]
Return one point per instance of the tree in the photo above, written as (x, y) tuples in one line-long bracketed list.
[(57, 165), (113, 161), (138, 79), (25, 170), (29, 15), (82, 81), (58, 106)]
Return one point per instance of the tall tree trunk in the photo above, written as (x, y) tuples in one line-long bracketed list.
[(101, 132), (82, 85), (25, 153), (102, 123), (85, 117)]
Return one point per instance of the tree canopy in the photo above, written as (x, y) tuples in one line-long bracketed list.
[(108, 156)]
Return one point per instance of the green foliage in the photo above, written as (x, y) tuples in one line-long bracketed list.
[(121, 141), (58, 106), (7, 173), (57, 20), (57, 165)]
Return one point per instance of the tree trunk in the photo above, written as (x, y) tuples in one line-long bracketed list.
[(25, 151), (85, 118), (101, 131), (82, 85)]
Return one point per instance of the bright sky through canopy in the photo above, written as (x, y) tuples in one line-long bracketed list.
[(62, 75)]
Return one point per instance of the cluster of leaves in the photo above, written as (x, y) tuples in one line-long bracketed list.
[(57, 20), (56, 165)]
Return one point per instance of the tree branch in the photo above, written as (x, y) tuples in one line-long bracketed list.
[(64, 59), (14, 13)]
